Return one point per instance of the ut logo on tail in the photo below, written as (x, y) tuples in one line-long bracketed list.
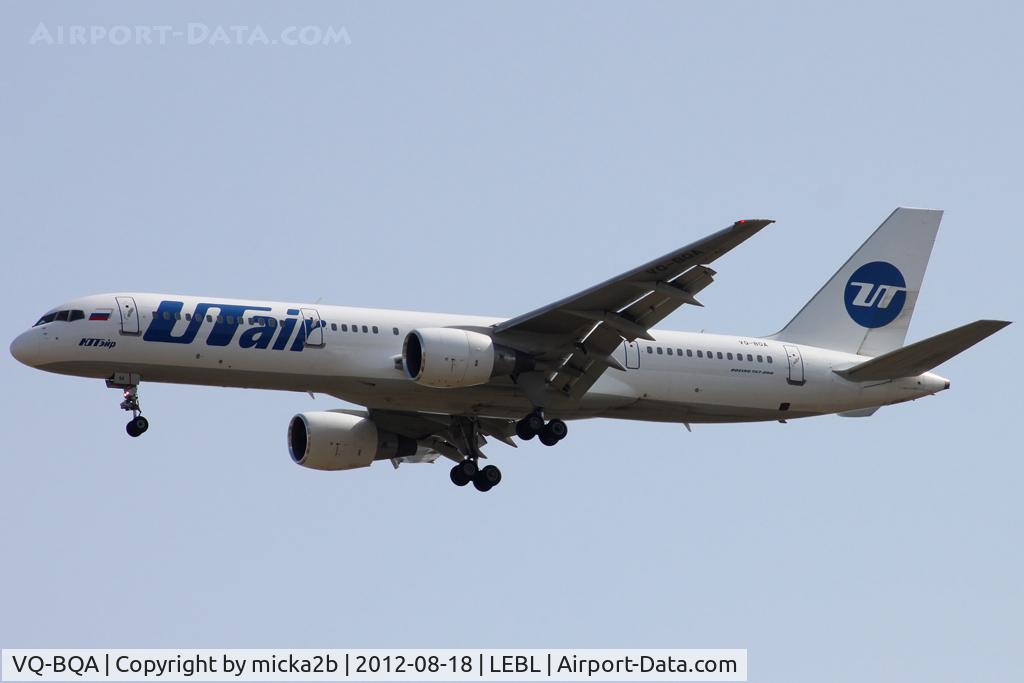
[(875, 294)]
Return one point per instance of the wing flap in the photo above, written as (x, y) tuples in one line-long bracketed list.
[(593, 355)]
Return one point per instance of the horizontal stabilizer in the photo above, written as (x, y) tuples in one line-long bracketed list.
[(924, 355)]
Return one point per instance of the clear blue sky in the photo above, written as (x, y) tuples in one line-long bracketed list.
[(488, 158)]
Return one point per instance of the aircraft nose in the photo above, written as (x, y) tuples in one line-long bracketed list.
[(25, 348)]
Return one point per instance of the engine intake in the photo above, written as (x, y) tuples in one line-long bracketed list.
[(329, 440), (446, 358)]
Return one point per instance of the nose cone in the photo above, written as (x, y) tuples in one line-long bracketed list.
[(25, 349)]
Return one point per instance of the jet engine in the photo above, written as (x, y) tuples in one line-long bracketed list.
[(446, 357), (329, 440)]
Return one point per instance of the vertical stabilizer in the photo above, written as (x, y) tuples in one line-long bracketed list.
[(866, 306)]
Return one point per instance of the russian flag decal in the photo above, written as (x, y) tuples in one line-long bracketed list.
[(101, 314)]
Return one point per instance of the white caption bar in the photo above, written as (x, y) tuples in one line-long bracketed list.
[(374, 665)]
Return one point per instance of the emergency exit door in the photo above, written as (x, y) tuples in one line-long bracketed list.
[(314, 327), (796, 365), (129, 314), (632, 350)]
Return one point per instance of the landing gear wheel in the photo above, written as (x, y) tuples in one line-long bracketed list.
[(463, 472), (523, 431), (529, 426), (557, 429), (547, 438), (469, 468), (137, 426), (458, 475), (487, 478), (491, 475)]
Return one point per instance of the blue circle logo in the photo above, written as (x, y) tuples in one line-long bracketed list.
[(875, 294)]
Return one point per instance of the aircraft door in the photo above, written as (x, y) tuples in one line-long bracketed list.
[(129, 314), (796, 365), (314, 327), (632, 350)]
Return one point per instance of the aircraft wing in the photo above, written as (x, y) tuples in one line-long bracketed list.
[(575, 337)]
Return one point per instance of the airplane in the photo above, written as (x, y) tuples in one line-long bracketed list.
[(436, 385)]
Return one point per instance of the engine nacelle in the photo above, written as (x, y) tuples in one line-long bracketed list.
[(328, 440), (446, 358)]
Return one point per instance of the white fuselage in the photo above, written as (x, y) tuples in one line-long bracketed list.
[(354, 354)]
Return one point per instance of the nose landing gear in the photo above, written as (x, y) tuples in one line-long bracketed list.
[(129, 383)]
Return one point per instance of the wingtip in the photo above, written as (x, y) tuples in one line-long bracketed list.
[(753, 222), (922, 209)]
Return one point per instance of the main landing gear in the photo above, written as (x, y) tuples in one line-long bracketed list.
[(484, 478), (138, 424), (467, 439), (533, 425)]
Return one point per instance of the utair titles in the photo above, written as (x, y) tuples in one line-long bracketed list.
[(230, 317)]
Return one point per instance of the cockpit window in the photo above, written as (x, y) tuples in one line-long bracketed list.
[(63, 316)]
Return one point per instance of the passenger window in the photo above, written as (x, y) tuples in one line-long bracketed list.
[(689, 353), (231, 320), (711, 356), (739, 356), (760, 359), (209, 318), (659, 350), (188, 316), (334, 327), (769, 359), (177, 316), (375, 330), (364, 329), (77, 315), (220, 318), (650, 349), (272, 322), (700, 354), (679, 352), (669, 350), (729, 355), (344, 327), (355, 328), (719, 355), (395, 330), (750, 358), (167, 315)]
